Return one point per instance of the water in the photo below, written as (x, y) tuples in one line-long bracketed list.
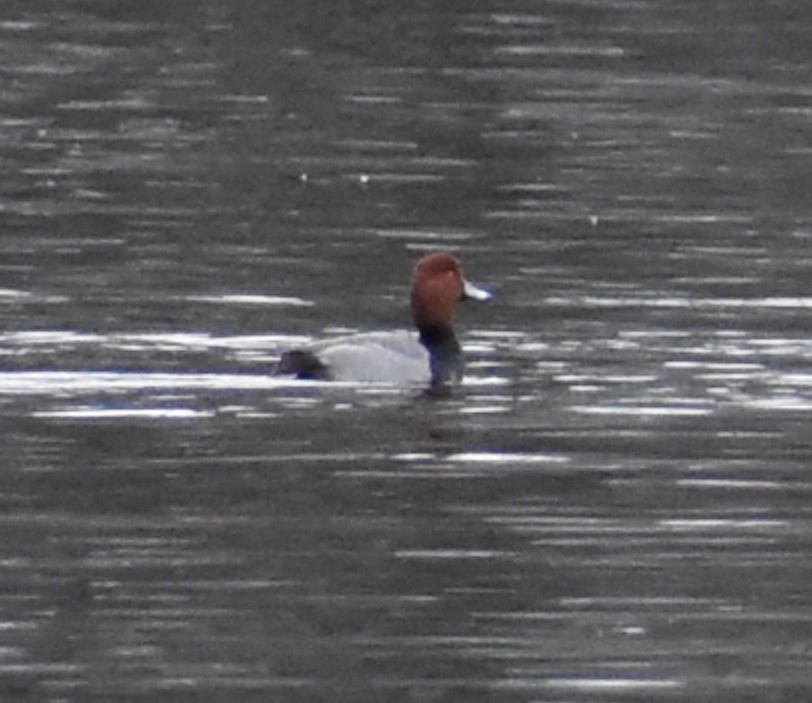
[(615, 504)]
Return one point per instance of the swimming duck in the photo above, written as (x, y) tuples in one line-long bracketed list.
[(433, 356)]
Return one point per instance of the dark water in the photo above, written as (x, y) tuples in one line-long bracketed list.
[(616, 506)]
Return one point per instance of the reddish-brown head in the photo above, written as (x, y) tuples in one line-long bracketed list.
[(438, 284)]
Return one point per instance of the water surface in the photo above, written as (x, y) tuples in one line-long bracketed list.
[(615, 503)]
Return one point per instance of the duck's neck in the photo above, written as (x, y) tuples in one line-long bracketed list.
[(445, 354)]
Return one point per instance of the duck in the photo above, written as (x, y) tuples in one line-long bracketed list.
[(432, 356)]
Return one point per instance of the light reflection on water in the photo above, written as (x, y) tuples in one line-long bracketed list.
[(641, 373)]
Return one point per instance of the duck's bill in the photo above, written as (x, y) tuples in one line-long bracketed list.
[(470, 291)]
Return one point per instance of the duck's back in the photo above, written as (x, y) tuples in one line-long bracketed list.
[(376, 357)]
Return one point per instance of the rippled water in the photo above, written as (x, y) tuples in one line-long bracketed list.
[(615, 505)]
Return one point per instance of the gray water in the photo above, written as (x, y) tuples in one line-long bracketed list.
[(615, 506)]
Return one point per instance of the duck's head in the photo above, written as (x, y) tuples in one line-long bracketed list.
[(438, 285)]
